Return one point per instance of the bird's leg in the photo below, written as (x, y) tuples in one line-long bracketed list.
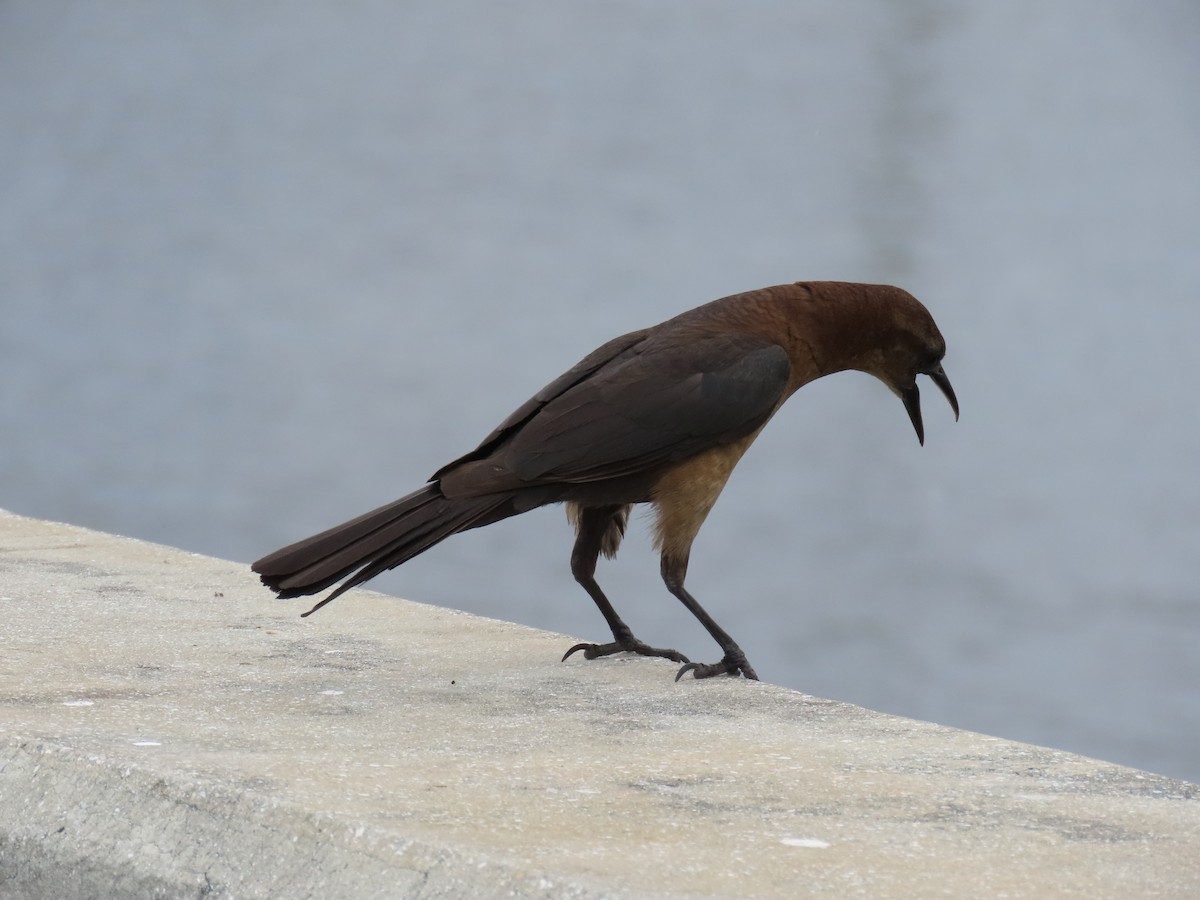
[(674, 570), (592, 523)]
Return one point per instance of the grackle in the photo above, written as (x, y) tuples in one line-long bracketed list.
[(658, 416)]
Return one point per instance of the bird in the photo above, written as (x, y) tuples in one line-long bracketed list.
[(659, 416)]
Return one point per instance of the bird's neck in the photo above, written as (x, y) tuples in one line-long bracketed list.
[(835, 328)]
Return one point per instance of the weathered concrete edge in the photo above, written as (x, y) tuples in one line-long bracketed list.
[(197, 835), (66, 831), (276, 850)]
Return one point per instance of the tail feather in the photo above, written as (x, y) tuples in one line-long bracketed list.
[(374, 542)]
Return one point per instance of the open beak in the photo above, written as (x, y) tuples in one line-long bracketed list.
[(912, 400), (939, 378)]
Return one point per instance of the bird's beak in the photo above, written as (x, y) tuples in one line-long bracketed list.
[(939, 378), (943, 383), (912, 400)]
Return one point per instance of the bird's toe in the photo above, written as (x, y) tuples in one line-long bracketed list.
[(730, 665), (595, 651)]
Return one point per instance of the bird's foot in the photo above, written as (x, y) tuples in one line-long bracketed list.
[(629, 645), (733, 664)]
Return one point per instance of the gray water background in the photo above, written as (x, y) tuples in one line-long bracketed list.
[(265, 266)]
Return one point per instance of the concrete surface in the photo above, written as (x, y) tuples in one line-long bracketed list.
[(169, 729)]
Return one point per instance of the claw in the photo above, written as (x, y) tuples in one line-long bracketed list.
[(576, 648), (683, 670), (595, 651), (727, 666)]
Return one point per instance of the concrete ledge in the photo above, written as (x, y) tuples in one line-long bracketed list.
[(171, 730)]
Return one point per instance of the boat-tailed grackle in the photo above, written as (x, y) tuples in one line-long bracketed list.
[(658, 416)]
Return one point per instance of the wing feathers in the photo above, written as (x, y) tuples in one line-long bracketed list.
[(599, 357), (650, 403)]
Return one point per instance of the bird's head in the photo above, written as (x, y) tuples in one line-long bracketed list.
[(916, 347), (897, 341)]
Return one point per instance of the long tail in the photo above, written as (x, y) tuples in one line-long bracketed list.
[(375, 542)]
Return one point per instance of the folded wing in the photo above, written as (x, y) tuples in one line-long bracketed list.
[(649, 403)]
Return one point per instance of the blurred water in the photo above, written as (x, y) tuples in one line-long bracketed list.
[(265, 266)]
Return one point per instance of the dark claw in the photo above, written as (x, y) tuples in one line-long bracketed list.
[(727, 666), (595, 651), (577, 647), (685, 669)]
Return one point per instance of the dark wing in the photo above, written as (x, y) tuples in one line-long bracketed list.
[(658, 401), (603, 354)]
